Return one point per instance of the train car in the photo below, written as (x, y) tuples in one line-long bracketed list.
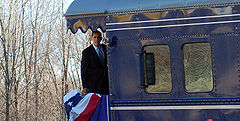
[(176, 60)]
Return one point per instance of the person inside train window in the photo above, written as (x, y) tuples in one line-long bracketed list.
[(94, 67)]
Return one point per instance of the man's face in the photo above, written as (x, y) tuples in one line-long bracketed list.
[(96, 38)]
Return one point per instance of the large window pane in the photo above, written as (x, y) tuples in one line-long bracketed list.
[(159, 57), (198, 67)]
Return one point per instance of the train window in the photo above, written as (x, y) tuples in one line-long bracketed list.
[(198, 67), (157, 69)]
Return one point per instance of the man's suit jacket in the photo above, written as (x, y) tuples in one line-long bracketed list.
[(94, 74)]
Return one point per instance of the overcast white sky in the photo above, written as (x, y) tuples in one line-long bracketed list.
[(68, 2)]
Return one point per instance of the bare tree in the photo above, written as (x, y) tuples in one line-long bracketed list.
[(9, 42), (39, 61)]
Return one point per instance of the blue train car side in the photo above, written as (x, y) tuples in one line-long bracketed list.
[(170, 61)]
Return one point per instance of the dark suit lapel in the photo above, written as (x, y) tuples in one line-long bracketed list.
[(105, 53), (94, 53)]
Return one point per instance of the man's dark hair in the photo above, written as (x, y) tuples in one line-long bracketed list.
[(96, 32)]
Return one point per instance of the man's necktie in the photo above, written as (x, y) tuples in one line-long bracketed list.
[(100, 53)]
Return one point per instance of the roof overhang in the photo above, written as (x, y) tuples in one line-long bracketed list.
[(92, 14), (85, 23)]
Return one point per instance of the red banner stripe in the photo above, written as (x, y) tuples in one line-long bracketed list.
[(86, 114)]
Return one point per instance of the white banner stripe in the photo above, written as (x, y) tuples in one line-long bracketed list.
[(81, 106), (70, 95), (176, 107), (174, 25), (174, 19)]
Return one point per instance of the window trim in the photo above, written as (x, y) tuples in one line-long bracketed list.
[(183, 68), (143, 70)]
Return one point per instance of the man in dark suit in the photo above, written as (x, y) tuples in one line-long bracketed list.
[(94, 67)]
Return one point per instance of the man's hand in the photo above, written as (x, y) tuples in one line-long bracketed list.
[(84, 91)]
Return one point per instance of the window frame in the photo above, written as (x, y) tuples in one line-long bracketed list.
[(143, 81), (183, 68)]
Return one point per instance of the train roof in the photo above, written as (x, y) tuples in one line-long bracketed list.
[(85, 14), (87, 7)]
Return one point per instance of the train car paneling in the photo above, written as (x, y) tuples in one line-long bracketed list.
[(177, 115), (221, 32)]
